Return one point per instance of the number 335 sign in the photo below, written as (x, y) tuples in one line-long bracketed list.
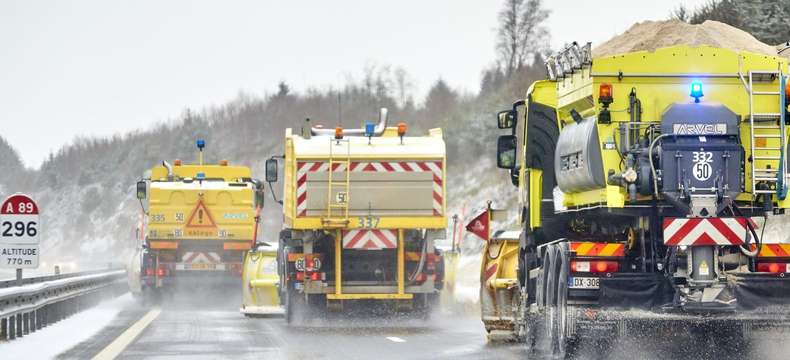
[(19, 222)]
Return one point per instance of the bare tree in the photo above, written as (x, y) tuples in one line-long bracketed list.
[(403, 85), (521, 33), (680, 13)]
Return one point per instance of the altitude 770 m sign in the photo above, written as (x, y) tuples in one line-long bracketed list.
[(19, 232)]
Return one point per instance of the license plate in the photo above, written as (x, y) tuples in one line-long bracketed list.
[(584, 282), (200, 266)]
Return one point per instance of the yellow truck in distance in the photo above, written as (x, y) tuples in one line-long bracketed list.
[(199, 220)]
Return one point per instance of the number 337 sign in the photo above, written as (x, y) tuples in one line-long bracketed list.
[(19, 222)]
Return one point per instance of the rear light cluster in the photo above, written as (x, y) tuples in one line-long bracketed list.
[(236, 269), (162, 271), (309, 271), (595, 266), (313, 276), (773, 267)]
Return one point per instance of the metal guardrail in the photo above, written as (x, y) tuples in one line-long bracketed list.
[(31, 304)]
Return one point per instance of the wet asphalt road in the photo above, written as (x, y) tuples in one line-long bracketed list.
[(221, 332), (184, 330)]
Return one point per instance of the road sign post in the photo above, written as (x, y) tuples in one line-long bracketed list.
[(19, 233)]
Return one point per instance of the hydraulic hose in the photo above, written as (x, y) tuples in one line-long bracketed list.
[(423, 256), (757, 240), (653, 166)]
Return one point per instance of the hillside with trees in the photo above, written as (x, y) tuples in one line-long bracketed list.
[(86, 189), (765, 19)]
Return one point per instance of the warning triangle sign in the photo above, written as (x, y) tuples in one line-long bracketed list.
[(201, 217)]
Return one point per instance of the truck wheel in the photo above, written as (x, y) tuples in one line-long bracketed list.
[(534, 321), (562, 345), (546, 304), (294, 305)]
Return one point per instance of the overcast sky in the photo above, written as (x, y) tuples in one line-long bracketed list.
[(100, 67)]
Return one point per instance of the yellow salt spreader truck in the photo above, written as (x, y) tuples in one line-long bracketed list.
[(362, 208), (199, 220), (646, 181)]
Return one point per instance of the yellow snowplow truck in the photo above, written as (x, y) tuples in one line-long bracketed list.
[(362, 208), (646, 180), (199, 221)]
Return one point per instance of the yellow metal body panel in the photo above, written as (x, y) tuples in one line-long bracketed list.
[(369, 296), (660, 79), (384, 148), (535, 196), (260, 279), (220, 208), (227, 173), (499, 291), (530, 192)]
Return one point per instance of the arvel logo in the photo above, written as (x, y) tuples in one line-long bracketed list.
[(699, 129)]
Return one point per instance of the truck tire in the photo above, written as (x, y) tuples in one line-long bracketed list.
[(561, 343), (540, 333), (294, 305)]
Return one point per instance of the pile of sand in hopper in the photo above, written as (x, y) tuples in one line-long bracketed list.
[(651, 35)]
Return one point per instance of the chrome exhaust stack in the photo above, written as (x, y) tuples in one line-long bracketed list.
[(378, 130)]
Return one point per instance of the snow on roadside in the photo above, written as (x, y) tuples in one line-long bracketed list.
[(56, 338)]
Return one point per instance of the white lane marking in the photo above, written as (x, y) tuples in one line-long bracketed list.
[(119, 345), (395, 339)]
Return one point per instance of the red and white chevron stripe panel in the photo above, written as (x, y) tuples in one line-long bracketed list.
[(373, 239), (705, 231), (207, 257), (305, 167)]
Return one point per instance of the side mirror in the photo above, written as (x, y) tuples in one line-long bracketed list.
[(141, 190), (506, 119), (271, 170), (506, 152)]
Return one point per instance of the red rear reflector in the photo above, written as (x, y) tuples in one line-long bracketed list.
[(597, 266), (773, 267), (315, 276), (300, 276)]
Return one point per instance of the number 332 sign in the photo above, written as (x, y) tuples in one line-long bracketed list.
[(19, 221)]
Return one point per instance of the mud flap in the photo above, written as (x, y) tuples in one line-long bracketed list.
[(643, 291), (756, 291)]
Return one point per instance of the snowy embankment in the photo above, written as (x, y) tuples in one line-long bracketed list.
[(56, 338)]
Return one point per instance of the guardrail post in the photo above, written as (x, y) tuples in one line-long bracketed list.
[(37, 319), (18, 322), (44, 316), (25, 323), (33, 316), (4, 329), (12, 327)]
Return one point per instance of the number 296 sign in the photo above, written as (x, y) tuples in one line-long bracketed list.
[(19, 221)]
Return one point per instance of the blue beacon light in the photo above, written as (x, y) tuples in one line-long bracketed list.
[(370, 129), (696, 91)]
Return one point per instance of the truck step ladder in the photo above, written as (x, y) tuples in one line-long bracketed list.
[(769, 166), (338, 194)]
